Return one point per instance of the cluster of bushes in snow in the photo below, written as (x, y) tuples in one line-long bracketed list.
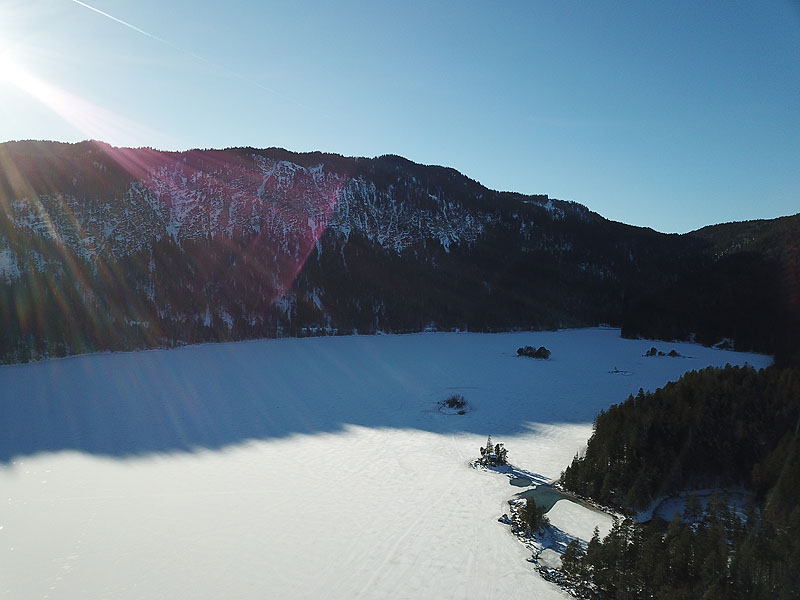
[(455, 403), (532, 352), (656, 352)]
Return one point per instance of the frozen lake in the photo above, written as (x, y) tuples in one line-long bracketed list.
[(297, 468)]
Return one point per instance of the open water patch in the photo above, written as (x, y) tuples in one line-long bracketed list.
[(545, 496), (521, 482)]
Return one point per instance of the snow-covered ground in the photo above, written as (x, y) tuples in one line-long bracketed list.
[(297, 468), (666, 507), (579, 521)]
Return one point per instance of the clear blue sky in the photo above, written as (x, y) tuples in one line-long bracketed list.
[(671, 115)]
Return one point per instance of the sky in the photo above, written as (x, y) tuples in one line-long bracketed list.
[(670, 115)]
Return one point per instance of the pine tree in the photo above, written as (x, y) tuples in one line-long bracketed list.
[(501, 454), (693, 509), (485, 452), (533, 516), (571, 559)]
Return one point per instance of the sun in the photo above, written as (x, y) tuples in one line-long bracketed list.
[(11, 73), (88, 118), (8, 69)]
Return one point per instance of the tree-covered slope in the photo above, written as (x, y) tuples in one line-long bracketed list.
[(745, 284), (116, 248), (713, 428)]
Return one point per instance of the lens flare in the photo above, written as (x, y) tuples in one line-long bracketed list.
[(260, 217), (91, 120), (216, 222)]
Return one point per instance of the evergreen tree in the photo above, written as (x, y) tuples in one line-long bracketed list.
[(487, 451), (533, 516), (572, 559)]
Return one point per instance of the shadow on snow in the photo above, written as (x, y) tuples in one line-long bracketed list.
[(214, 395)]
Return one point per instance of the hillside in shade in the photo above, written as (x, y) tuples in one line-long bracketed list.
[(105, 248)]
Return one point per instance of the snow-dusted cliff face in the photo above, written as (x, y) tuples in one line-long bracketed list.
[(114, 247), (209, 195), (383, 217), (108, 248), (184, 200)]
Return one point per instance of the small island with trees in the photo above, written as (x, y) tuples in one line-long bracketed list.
[(541, 352), (493, 455), (528, 518), (656, 352)]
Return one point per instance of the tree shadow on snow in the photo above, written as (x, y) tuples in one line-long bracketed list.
[(215, 395)]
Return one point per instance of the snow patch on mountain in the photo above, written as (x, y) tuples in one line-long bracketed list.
[(211, 196), (9, 267), (381, 217)]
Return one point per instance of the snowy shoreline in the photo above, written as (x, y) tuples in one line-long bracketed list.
[(547, 545)]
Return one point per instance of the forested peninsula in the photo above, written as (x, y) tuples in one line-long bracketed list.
[(715, 428)]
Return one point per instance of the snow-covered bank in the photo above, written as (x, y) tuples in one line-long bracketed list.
[(296, 468), (667, 507), (579, 521)]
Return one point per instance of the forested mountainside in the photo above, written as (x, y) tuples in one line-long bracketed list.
[(711, 429), (746, 282), (113, 248)]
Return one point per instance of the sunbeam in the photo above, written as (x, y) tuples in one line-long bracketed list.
[(264, 231), (91, 120)]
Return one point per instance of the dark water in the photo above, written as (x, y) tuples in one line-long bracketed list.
[(544, 495), (520, 481)]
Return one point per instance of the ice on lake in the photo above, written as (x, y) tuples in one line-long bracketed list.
[(297, 468)]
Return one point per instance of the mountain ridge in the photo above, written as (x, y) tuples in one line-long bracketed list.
[(118, 248)]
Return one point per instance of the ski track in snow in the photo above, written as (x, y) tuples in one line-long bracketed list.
[(298, 468)]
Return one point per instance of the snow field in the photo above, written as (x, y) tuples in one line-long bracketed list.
[(579, 521), (298, 468)]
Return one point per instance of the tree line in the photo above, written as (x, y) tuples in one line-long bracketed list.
[(712, 428)]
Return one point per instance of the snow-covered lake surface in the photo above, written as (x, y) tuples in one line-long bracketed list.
[(298, 468)]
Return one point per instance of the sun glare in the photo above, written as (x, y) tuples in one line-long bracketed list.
[(91, 120), (10, 72)]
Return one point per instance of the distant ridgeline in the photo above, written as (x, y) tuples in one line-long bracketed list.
[(711, 429), (106, 248)]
